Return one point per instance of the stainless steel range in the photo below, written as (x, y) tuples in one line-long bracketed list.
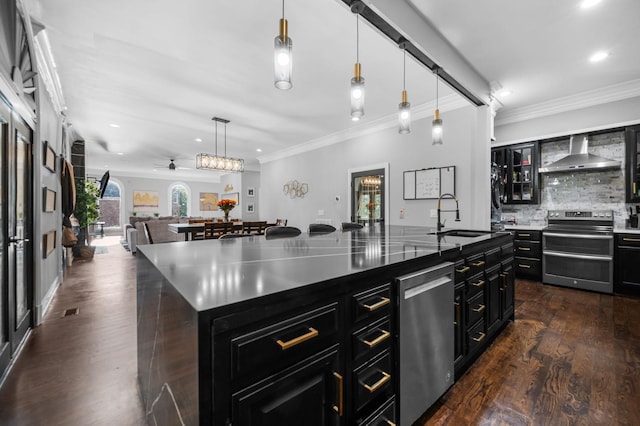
[(577, 249)]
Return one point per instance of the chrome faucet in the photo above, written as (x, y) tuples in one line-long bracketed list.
[(439, 225)]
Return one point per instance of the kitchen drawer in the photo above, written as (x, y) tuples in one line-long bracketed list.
[(528, 235), (372, 303), (274, 347), (628, 240), (373, 380), (475, 284), (384, 416), (476, 263), (507, 250), (475, 308), (476, 336), (528, 267), (528, 249), (371, 339), (492, 257), (461, 270)]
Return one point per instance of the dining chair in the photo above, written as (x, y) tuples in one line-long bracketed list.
[(281, 222), (214, 230), (321, 228), (281, 232), (350, 226)]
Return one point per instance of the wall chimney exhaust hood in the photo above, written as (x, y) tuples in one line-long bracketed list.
[(579, 158)]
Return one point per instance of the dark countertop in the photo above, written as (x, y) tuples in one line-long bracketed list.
[(214, 273)]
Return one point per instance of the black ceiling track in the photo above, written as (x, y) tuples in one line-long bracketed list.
[(385, 28)]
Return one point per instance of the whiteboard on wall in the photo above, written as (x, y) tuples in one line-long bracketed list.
[(429, 183)]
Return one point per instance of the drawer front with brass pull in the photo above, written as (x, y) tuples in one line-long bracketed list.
[(528, 249), (460, 270), (371, 339), (372, 303), (475, 284), (476, 336), (475, 308), (372, 380), (384, 416), (527, 267), (628, 240), (476, 263), (285, 342), (528, 235)]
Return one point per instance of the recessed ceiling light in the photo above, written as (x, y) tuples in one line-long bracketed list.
[(120, 153), (155, 170), (259, 149), (505, 93), (586, 4), (599, 56), (198, 140), (114, 125)]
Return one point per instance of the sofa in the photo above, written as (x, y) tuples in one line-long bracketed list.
[(158, 228)]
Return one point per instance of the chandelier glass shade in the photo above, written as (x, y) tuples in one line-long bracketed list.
[(217, 162), (404, 108)]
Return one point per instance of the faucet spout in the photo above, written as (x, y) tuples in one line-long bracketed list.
[(447, 195)]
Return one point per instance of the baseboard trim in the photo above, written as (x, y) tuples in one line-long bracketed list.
[(41, 309)]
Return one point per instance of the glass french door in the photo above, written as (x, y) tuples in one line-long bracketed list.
[(16, 221), (367, 196)]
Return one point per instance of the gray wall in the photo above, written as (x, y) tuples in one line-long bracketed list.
[(325, 170)]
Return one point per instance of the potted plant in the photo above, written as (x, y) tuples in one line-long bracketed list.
[(86, 213)]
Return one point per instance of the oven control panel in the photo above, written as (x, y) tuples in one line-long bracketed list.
[(604, 215)]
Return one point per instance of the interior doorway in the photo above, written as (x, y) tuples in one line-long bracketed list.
[(368, 198)]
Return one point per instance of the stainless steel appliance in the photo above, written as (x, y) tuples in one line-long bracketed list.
[(426, 339), (577, 249)]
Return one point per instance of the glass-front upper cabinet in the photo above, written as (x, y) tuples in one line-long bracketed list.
[(632, 142), (522, 174)]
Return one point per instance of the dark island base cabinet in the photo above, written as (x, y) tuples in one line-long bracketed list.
[(627, 258)]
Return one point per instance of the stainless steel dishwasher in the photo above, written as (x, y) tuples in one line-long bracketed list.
[(426, 339)]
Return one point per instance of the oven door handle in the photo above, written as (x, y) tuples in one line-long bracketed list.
[(585, 236), (577, 256)]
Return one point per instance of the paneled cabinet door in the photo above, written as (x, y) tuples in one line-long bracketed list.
[(493, 295), (309, 393), (458, 324), (632, 141), (507, 293)]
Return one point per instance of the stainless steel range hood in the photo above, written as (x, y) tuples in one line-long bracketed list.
[(579, 158)]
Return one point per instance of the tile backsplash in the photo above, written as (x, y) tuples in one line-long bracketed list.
[(587, 190)]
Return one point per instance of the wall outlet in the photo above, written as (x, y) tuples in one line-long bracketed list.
[(401, 213), (434, 213)]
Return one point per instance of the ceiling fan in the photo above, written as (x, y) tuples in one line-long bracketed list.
[(172, 166)]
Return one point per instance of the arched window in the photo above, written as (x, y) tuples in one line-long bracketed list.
[(110, 205), (179, 196)]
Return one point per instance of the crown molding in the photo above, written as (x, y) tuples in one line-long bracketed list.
[(447, 103), (603, 95)]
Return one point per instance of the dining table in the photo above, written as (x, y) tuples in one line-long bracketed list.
[(191, 229)]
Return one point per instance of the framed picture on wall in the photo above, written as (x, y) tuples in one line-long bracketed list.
[(251, 192), (48, 200), (250, 208), (49, 157)]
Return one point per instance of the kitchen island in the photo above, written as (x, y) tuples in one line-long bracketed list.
[(253, 331)]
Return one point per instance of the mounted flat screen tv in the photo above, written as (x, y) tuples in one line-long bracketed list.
[(103, 183)]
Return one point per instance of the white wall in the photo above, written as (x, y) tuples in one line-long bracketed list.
[(466, 146)]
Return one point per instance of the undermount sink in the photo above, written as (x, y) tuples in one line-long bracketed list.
[(463, 233)]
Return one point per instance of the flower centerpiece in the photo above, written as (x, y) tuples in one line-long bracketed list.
[(226, 206)]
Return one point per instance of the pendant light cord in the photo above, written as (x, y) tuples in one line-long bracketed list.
[(357, 38), (282, 9), (404, 68), (437, 88), (225, 140), (216, 138)]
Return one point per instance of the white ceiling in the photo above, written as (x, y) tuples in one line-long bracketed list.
[(162, 69)]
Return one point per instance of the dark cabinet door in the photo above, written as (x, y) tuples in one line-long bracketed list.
[(309, 393), (492, 293), (632, 141), (627, 256), (458, 325), (507, 294), (522, 174)]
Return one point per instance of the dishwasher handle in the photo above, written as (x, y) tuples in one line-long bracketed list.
[(421, 288)]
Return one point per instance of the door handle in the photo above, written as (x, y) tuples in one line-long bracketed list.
[(18, 240), (340, 407)]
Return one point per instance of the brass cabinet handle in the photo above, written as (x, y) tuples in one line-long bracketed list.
[(480, 308), (340, 407), (390, 423), (481, 338), (524, 235), (478, 263), (457, 319), (297, 340), (374, 387), (375, 306), (524, 266), (631, 240), (385, 335), (524, 248), (463, 269), (478, 284)]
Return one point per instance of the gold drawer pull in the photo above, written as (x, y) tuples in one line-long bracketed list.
[(390, 423), (631, 240), (524, 266), (385, 378), (524, 248), (481, 338), (478, 284), (340, 407), (385, 335), (375, 306), (480, 308), (463, 269), (457, 319), (524, 235), (478, 263), (297, 340)]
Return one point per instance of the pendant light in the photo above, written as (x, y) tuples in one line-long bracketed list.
[(282, 56), (216, 162), (436, 125), (404, 109), (357, 82)]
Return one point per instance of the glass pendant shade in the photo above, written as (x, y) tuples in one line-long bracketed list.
[(404, 115), (436, 129), (357, 95), (282, 58)]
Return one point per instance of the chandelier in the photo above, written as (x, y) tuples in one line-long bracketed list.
[(216, 162)]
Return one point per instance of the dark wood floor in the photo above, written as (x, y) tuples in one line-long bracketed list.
[(570, 358)]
